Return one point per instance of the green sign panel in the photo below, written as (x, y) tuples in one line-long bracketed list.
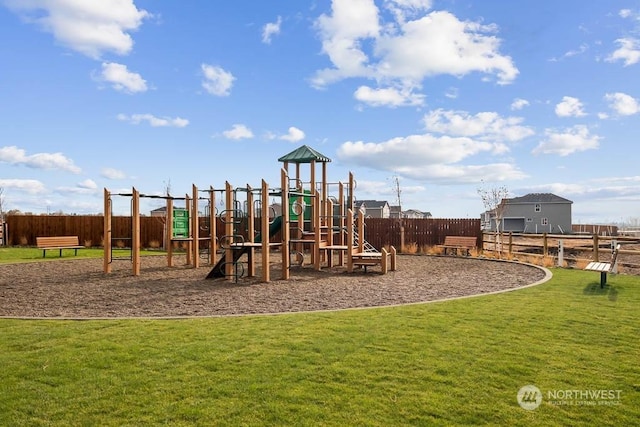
[(180, 223)]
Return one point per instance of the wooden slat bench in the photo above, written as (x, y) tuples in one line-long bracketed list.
[(385, 259), (59, 243), (459, 242), (605, 267)]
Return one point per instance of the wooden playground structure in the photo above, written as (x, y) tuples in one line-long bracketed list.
[(313, 221)]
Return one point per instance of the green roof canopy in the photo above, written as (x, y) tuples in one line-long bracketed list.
[(304, 154)]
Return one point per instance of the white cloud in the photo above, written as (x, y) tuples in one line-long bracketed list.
[(238, 131), (625, 13), (88, 27), (270, 29), (382, 188), (403, 9), (17, 156), (388, 97), (571, 140), (121, 78), (88, 184), (628, 51), (31, 186), (406, 52), (111, 173), (428, 157), (570, 107), (294, 135), (217, 81), (623, 104), (452, 93), (487, 126), (153, 120), (519, 104)]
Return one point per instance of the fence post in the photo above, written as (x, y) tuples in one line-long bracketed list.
[(596, 247), (560, 253), (545, 245), (510, 242)]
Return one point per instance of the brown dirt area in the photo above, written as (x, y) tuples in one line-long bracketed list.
[(79, 289)]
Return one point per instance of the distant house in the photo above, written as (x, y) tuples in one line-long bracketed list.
[(373, 208), (159, 212), (395, 212), (532, 213), (414, 213)]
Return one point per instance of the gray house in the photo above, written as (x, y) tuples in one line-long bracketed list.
[(532, 213), (373, 208)]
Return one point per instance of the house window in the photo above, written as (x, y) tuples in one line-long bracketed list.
[(529, 219), (537, 207), (544, 221)]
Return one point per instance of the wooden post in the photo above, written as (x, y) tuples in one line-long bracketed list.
[(384, 261), (317, 229), (596, 247), (545, 245), (325, 187), (510, 242), (169, 232), (187, 206), (284, 249), (349, 240), (213, 247), (107, 232), (360, 231), (265, 232), (135, 238), (312, 179), (228, 231), (393, 258), (195, 227), (251, 231), (341, 223), (330, 241), (351, 201)]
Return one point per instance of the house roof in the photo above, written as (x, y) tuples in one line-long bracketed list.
[(304, 154), (373, 204), (538, 198)]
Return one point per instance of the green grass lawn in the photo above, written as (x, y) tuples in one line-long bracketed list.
[(15, 254), (456, 363)]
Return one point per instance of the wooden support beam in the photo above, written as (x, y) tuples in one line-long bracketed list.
[(195, 227), (107, 232), (228, 230), (135, 237), (349, 240), (251, 232), (213, 245), (284, 200), (265, 232), (169, 222)]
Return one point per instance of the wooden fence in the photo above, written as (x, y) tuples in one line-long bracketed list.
[(380, 232), (576, 248)]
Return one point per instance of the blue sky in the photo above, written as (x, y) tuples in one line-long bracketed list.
[(449, 96)]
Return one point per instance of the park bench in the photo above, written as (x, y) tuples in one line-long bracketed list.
[(385, 259), (459, 242), (59, 243), (605, 267)]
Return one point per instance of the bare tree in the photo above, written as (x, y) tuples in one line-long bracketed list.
[(493, 200), (1, 205), (398, 192)]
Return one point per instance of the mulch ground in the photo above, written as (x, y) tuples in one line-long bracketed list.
[(78, 288)]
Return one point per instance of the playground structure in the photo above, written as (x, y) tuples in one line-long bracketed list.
[(312, 222)]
